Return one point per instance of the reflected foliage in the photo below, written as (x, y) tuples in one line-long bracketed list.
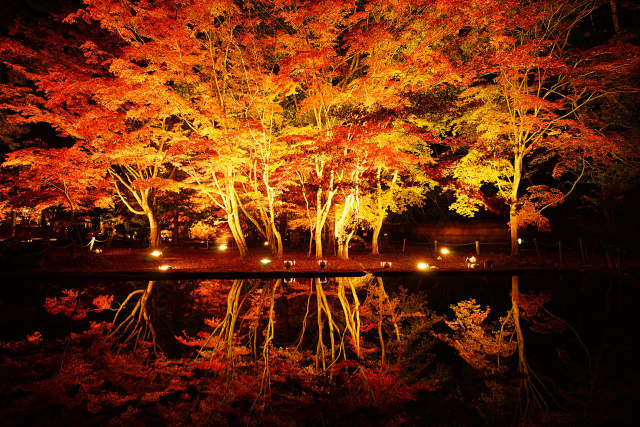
[(283, 352)]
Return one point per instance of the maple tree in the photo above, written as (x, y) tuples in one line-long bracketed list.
[(86, 89), (526, 90), (45, 178)]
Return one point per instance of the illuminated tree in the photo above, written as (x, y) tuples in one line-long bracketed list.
[(524, 95), (88, 87)]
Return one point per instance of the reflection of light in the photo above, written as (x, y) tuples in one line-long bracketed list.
[(385, 264), (422, 266), (519, 241), (265, 261), (289, 279), (222, 247), (445, 251), (266, 243), (156, 253), (164, 267)]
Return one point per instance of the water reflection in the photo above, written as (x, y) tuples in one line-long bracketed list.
[(343, 349)]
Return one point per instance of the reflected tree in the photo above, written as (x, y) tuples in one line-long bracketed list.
[(136, 328)]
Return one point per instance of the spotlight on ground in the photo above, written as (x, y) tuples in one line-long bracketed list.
[(422, 266)]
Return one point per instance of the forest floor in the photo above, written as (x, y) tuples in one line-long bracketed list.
[(193, 261)]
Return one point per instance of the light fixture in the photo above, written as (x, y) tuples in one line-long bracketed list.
[(322, 263), (519, 241), (445, 251), (222, 247), (265, 261), (385, 264), (164, 267), (266, 243), (423, 266), (289, 263), (156, 253)]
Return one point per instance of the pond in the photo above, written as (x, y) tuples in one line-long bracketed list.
[(392, 350)]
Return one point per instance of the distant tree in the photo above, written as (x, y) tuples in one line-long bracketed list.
[(42, 178)]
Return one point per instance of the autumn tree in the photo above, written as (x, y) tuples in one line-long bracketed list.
[(525, 91), (89, 87), (45, 178)]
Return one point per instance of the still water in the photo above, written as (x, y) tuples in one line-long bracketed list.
[(393, 350)]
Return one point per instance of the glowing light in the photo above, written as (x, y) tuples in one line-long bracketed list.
[(156, 253), (97, 251), (289, 263), (471, 260), (385, 264), (322, 263), (519, 241), (445, 251), (423, 266), (265, 261), (222, 247), (164, 267), (266, 243)]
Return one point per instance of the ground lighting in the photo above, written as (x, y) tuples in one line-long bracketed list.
[(265, 261), (422, 266), (222, 247), (164, 267), (156, 253)]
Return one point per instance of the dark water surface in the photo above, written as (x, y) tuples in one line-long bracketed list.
[(274, 352)]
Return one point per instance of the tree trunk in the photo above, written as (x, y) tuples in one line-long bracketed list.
[(13, 223), (154, 231), (317, 234), (176, 233), (513, 228), (278, 250), (614, 16), (238, 236), (375, 248)]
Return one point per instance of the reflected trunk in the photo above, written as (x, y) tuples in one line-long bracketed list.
[(137, 327)]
